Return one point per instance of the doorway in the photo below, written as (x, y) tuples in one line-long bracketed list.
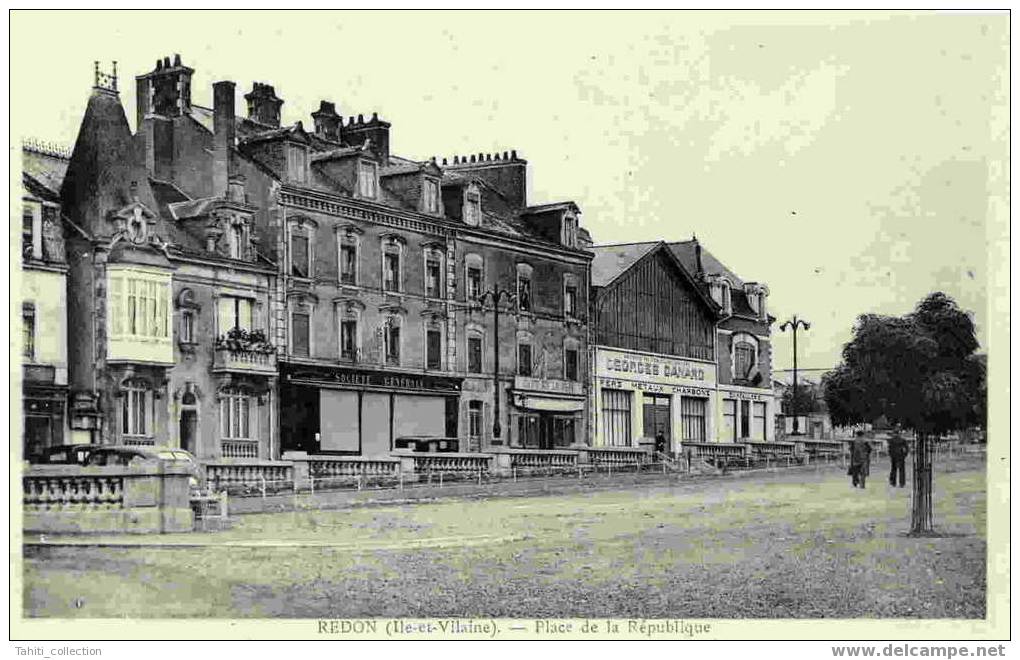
[(657, 420)]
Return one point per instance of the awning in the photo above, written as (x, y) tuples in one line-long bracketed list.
[(549, 404)]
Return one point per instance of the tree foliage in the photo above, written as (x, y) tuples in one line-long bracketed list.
[(919, 370), (806, 400)]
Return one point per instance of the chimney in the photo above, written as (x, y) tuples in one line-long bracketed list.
[(327, 121), (165, 91), (697, 258), (223, 135), (376, 130), (263, 105)]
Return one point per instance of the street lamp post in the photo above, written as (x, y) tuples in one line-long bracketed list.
[(496, 294), (793, 324)]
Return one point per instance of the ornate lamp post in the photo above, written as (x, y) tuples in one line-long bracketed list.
[(496, 294), (793, 324)]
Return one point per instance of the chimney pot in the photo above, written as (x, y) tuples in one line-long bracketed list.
[(506, 156), (375, 116), (361, 119), (513, 154), (472, 158), (444, 161), (159, 64), (177, 59), (166, 62)]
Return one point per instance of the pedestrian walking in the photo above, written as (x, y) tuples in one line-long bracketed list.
[(898, 450), (860, 460)]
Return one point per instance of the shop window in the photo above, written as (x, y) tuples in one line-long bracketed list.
[(729, 433), (524, 359), (528, 431), (433, 348), (474, 355), (745, 419), (300, 334), (137, 409), (692, 417), (235, 415), (28, 331), (563, 431), (616, 418), (760, 432)]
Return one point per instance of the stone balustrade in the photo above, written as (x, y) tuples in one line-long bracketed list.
[(716, 450), (460, 462), (772, 450), (248, 474), (105, 499), (617, 456)]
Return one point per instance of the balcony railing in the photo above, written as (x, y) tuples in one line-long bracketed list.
[(239, 448), (228, 359)]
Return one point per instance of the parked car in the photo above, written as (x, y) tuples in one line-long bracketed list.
[(64, 455), (128, 454)]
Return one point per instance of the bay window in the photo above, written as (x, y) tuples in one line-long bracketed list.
[(139, 309)]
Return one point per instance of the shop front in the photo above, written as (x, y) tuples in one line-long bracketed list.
[(745, 414), (546, 413), (363, 412), (652, 401)]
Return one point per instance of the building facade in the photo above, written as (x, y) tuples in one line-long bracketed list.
[(681, 351), (43, 301), (168, 293)]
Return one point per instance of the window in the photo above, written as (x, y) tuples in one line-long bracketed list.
[(524, 291), (729, 433), (745, 355), (187, 327), (474, 355), (297, 163), (524, 359), (570, 300), (569, 237), (474, 282), (367, 179), (528, 433), (570, 364), (235, 415), (299, 262), (391, 339), (727, 303), (348, 339), (348, 263), (563, 431), (760, 432), (28, 330), (301, 341), (237, 242), (692, 418), (430, 196), (433, 277), (433, 348), (745, 419), (472, 208), (27, 232), (235, 312), (139, 306), (137, 410), (616, 418), (475, 420), (391, 271)]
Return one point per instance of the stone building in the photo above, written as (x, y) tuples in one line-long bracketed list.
[(682, 349), (168, 291), (43, 300)]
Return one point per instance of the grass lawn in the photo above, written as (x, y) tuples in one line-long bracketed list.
[(798, 543)]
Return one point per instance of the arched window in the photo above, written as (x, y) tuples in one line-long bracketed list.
[(238, 241), (302, 250), (745, 356), (392, 263), (475, 340), (236, 414), (473, 276), (348, 254), (434, 258), (137, 409)]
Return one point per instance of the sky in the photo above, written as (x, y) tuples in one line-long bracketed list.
[(852, 161)]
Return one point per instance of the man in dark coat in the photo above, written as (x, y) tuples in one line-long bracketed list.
[(898, 450), (860, 460)]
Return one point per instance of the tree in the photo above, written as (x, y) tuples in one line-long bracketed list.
[(920, 371), (806, 400)]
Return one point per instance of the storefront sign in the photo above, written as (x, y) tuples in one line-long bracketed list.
[(614, 384), (655, 369), (548, 385), (746, 396), (357, 378)]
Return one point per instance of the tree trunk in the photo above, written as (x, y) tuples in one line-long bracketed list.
[(921, 516)]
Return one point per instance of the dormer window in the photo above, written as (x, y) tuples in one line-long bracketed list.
[(368, 176), (297, 163), (472, 208), (569, 236), (237, 241), (430, 195)]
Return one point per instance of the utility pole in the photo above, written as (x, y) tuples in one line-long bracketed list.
[(496, 294), (793, 324)]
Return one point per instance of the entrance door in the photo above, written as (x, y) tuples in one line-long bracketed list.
[(189, 430), (657, 419)]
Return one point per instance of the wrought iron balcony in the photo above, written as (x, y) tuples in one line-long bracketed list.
[(245, 351)]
